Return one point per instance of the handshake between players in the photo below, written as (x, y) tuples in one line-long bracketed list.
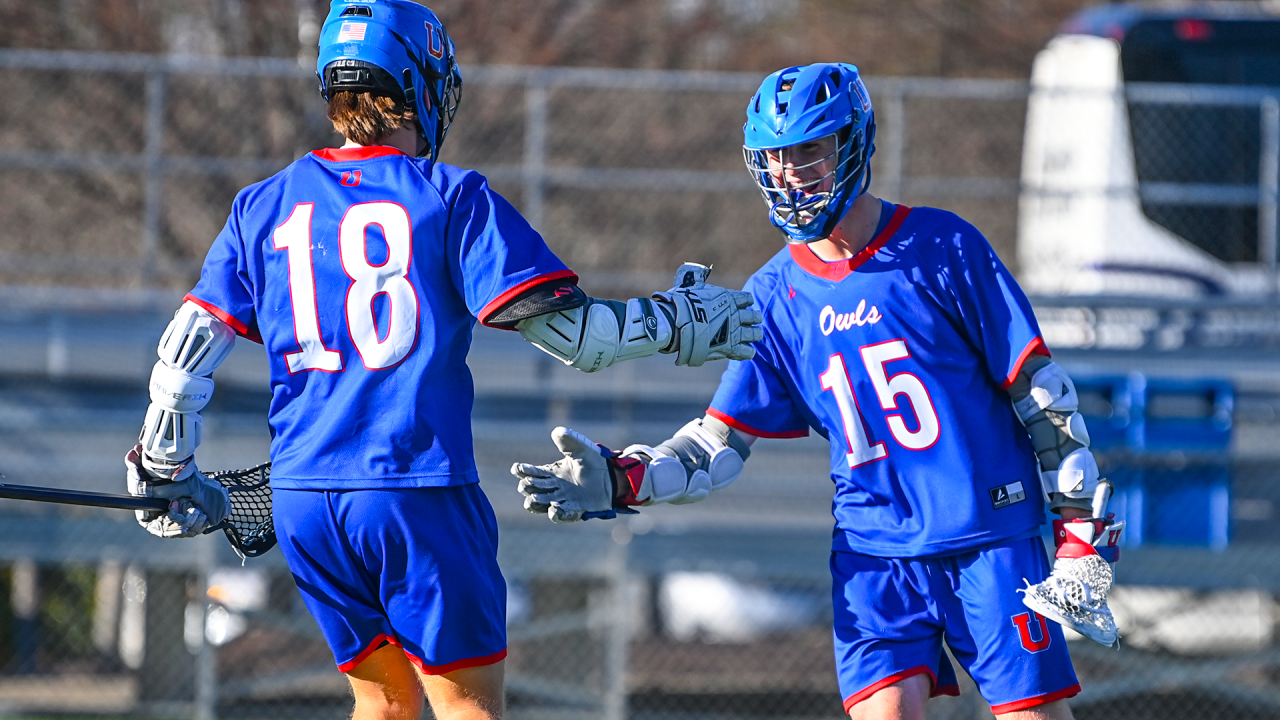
[(694, 321)]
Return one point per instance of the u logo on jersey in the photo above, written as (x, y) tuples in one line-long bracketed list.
[(350, 179), (1024, 623), (829, 320)]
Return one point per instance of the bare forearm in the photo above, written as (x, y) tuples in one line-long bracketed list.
[(1073, 513)]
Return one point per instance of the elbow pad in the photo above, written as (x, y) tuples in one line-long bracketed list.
[(193, 345), (195, 341), (1052, 391), (600, 333), (686, 468), (1050, 412)]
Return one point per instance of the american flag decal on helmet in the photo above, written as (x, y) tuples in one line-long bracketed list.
[(351, 31)]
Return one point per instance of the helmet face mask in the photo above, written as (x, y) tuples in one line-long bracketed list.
[(807, 142), (804, 179), (393, 47)]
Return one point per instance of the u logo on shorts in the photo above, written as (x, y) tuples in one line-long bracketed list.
[(1029, 643)]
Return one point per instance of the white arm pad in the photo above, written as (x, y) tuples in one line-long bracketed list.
[(686, 468), (1052, 390), (193, 345), (1077, 476), (1053, 394), (195, 341), (177, 390), (169, 436), (600, 333)]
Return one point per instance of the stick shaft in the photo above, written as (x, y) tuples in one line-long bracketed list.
[(1101, 496), (79, 497)]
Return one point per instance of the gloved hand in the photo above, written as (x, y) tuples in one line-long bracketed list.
[(578, 486), (711, 322), (196, 502)]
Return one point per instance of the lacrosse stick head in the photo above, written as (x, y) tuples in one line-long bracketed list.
[(249, 527), (1075, 596)]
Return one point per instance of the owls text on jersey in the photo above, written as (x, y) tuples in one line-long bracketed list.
[(358, 260), (900, 357)]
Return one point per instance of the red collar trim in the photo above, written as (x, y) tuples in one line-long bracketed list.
[(355, 153), (840, 269)]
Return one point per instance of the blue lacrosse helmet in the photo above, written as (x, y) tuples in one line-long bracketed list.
[(398, 48), (802, 104)]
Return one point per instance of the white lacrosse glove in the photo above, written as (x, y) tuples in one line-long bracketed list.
[(1076, 591), (711, 323), (196, 502), (579, 486)]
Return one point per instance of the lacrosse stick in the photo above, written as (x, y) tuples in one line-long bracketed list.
[(248, 528)]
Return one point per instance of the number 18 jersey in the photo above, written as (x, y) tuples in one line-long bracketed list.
[(900, 357), (362, 271)]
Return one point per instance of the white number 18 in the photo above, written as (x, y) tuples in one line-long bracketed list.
[(368, 281)]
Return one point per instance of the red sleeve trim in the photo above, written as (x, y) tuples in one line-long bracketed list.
[(1035, 347), (355, 153), (496, 304), (1035, 701), (226, 317), (841, 269), (739, 425), (872, 689)]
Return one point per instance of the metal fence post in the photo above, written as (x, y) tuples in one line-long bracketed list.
[(619, 633), (153, 157), (895, 142), (206, 661), (107, 598), (1268, 186), (58, 350), (24, 600), (535, 150)]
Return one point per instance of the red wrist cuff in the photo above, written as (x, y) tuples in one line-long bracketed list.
[(633, 468), (1070, 545)]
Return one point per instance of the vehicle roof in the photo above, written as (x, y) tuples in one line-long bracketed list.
[(1115, 19)]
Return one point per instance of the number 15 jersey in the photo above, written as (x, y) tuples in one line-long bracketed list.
[(900, 357), (362, 271)]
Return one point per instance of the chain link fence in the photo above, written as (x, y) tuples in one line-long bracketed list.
[(118, 170)]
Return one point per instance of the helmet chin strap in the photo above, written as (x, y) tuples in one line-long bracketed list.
[(425, 150), (410, 101)]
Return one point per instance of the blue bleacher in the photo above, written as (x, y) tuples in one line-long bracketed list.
[(1165, 444)]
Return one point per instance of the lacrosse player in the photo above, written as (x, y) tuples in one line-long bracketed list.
[(362, 271), (897, 334)]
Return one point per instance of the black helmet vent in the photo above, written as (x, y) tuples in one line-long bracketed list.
[(360, 76), (357, 11)]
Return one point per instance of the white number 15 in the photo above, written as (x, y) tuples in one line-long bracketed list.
[(874, 359)]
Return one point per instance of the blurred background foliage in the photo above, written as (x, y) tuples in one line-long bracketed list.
[(943, 38)]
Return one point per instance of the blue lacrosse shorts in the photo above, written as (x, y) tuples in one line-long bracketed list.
[(892, 616), (413, 567)]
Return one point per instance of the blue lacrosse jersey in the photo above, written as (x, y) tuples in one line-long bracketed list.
[(362, 271), (901, 357)]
